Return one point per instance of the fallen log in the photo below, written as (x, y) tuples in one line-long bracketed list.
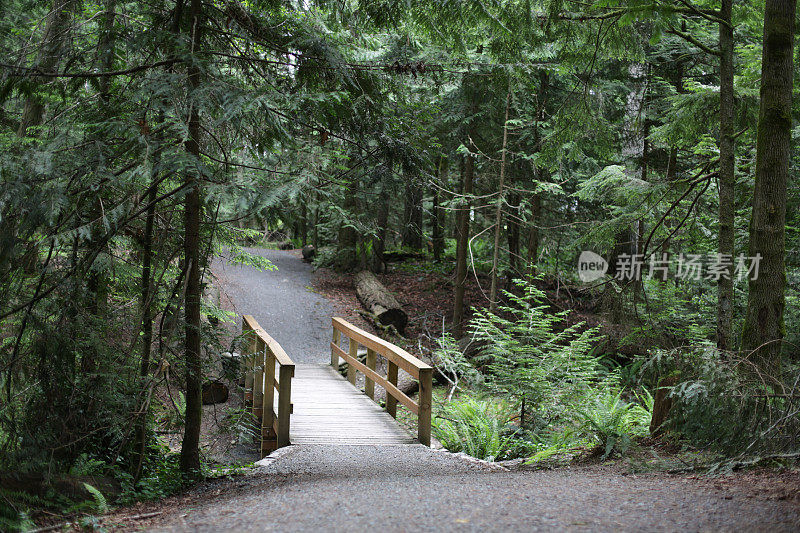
[(379, 301)]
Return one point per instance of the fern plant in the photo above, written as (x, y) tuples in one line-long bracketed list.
[(611, 421), (475, 427), (100, 504)]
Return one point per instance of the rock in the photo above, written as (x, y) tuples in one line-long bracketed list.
[(214, 392), (309, 252)]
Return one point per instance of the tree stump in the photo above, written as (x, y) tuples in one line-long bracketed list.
[(214, 392), (662, 404)]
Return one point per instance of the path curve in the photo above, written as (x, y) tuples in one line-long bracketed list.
[(282, 301)]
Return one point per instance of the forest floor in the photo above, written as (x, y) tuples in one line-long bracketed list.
[(411, 487)]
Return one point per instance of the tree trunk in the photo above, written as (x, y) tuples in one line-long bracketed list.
[(534, 236), (412, 230), (438, 215), (763, 327), (190, 447), (379, 301), (727, 180), (498, 215), (146, 305), (533, 233), (303, 222), (672, 162), (462, 245), (514, 202), (379, 242), (55, 35), (348, 237)]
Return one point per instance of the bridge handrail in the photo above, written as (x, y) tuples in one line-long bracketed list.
[(397, 358), (262, 352)]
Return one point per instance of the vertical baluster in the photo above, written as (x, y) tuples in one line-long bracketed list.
[(391, 401), (248, 350), (369, 385), (284, 404), (268, 435), (425, 401), (334, 356), (351, 370), (258, 377)]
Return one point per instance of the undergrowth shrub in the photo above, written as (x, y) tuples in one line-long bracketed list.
[(533, 358), (553, 395), (722, 402), (613, 422), (480, 428)]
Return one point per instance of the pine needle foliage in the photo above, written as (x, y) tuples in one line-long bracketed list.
[(533, 358)]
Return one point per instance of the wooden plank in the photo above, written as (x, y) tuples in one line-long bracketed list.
[(425, 403), (391, 401), (258, 377), (284, 404), (369, 383), (268, 411), (351, 371), (328, 410), (250, 348), (393, 353), (334, 357), (389, 387)]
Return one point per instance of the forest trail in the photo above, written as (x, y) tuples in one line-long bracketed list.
[(327, 409), (313, 487), (282, 302)]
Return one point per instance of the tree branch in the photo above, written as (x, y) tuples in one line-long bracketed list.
[(35, 71), (686, 37)]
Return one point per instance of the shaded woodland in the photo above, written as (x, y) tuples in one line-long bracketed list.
[(492, 141)]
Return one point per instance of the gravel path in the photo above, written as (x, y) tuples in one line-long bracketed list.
[(282, 301), (414, 488)]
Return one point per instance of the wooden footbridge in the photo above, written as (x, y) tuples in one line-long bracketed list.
[(313, 404)]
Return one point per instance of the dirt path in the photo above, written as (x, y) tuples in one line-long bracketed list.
[(414, 488)]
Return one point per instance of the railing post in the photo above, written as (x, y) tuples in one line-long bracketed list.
[(334, 356), (351, 370), (248, 353), (284, 403), (425, 401), (258, 377), (268, 435), (391, 401), (369, 385)]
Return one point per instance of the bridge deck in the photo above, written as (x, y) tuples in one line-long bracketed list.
[(329, 410)]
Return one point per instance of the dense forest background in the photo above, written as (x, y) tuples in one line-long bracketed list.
[(490, 139)]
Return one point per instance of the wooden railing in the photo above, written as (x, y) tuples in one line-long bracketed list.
[(261, 381), (397, 359)]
